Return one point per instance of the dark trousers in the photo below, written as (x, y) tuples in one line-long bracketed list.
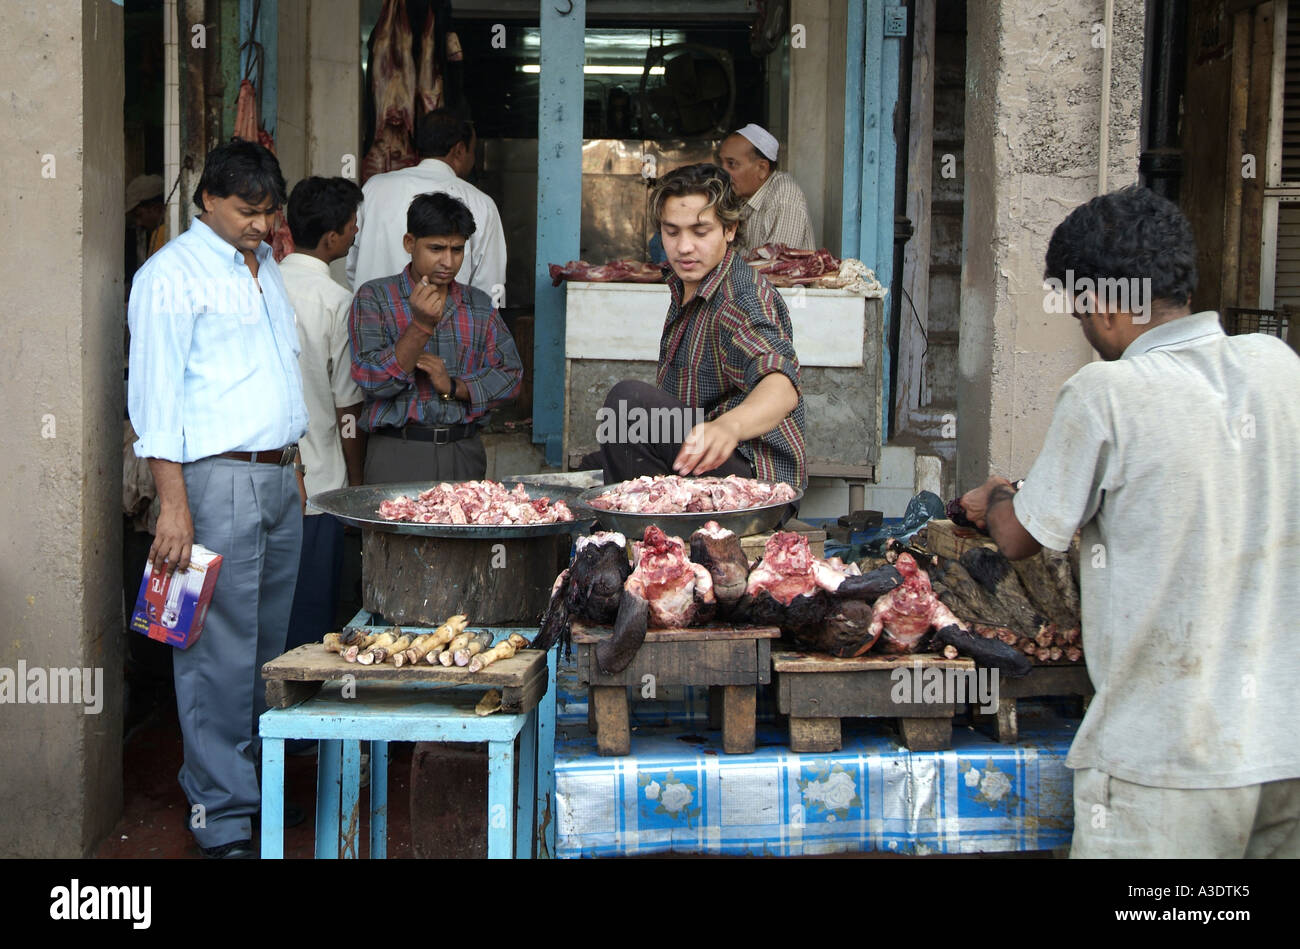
[(392, 460), (316, 597), (633, 450)]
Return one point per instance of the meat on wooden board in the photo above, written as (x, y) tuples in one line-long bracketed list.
[(787, 266)]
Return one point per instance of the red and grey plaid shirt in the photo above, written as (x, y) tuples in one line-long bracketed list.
[(472, 340), (716, 349)]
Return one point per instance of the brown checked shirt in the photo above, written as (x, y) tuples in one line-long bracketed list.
[(716, 349)]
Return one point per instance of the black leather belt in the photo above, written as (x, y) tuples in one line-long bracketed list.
[(287, 455), (438, 434)]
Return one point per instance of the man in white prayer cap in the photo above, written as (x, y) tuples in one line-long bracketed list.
[(776, 211)]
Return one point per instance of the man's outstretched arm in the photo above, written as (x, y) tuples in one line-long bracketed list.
[(990, 506)]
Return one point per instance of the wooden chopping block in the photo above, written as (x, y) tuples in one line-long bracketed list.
[(948, 540), (413, 580)]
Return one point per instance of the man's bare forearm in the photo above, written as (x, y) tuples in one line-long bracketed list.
[(1005, 528), (169, 480), (763, 409)]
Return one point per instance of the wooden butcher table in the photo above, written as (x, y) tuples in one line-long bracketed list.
[(734, 659)]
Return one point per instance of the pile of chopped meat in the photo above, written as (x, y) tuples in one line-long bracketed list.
[(616, 271), (672, 494), (475, 502)]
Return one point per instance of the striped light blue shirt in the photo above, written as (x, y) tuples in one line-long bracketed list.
[(214, 363)]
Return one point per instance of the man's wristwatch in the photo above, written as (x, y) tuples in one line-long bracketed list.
[(449, 395)]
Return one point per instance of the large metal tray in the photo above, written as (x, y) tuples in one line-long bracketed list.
[(754, 520), (359, 506)]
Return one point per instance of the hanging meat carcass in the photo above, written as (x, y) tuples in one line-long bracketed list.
[(249, 128), (428, 82), (392, 84)]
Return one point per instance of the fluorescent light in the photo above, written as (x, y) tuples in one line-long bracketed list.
[(605, 70)]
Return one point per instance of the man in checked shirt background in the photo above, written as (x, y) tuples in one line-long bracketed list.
[(432, 356), (727, 350)]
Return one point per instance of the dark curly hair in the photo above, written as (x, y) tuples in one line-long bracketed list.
[(1129, 234)]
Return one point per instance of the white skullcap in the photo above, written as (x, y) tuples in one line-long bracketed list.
[(761, 139)]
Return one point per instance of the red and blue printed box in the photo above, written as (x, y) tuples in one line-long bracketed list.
[(171, 607)]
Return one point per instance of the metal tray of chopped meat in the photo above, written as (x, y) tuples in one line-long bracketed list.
[(753, 520), (359, 506)]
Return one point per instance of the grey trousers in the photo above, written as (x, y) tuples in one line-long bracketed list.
[(393, 460), (251, 515), (1116, 818)]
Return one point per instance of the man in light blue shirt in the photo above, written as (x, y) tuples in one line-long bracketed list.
[(216, 397)]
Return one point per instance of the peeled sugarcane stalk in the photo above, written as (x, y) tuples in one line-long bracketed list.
[(383, 639), (402, 658), (476, 645), (333, 642), (502, 650), (460, 642), (359, 645)]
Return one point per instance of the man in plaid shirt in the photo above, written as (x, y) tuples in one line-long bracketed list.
[(726, 356), (432, 356)]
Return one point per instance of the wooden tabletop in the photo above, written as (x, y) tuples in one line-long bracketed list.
[(585, 634), (793, 660), (313, 663)]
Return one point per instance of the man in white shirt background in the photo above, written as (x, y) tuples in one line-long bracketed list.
[(447, 145), (776, 211), (322, 217)]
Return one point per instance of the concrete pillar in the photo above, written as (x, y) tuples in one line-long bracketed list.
[(61, 474), (1033, 103), (318, 125), (814, 140)]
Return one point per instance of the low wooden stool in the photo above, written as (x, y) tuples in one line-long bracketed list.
[(736, 659), (817, 690), (1043, 680)]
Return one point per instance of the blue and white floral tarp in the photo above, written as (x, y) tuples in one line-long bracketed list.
[(679, 793)]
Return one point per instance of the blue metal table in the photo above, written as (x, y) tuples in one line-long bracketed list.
[(380, 712)]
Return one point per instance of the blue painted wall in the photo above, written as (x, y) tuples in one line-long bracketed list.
[(559, 207), (871, 149)]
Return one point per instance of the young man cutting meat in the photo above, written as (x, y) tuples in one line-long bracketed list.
[(216, 395), (727, 351), (1175, 458), (432, 356)]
